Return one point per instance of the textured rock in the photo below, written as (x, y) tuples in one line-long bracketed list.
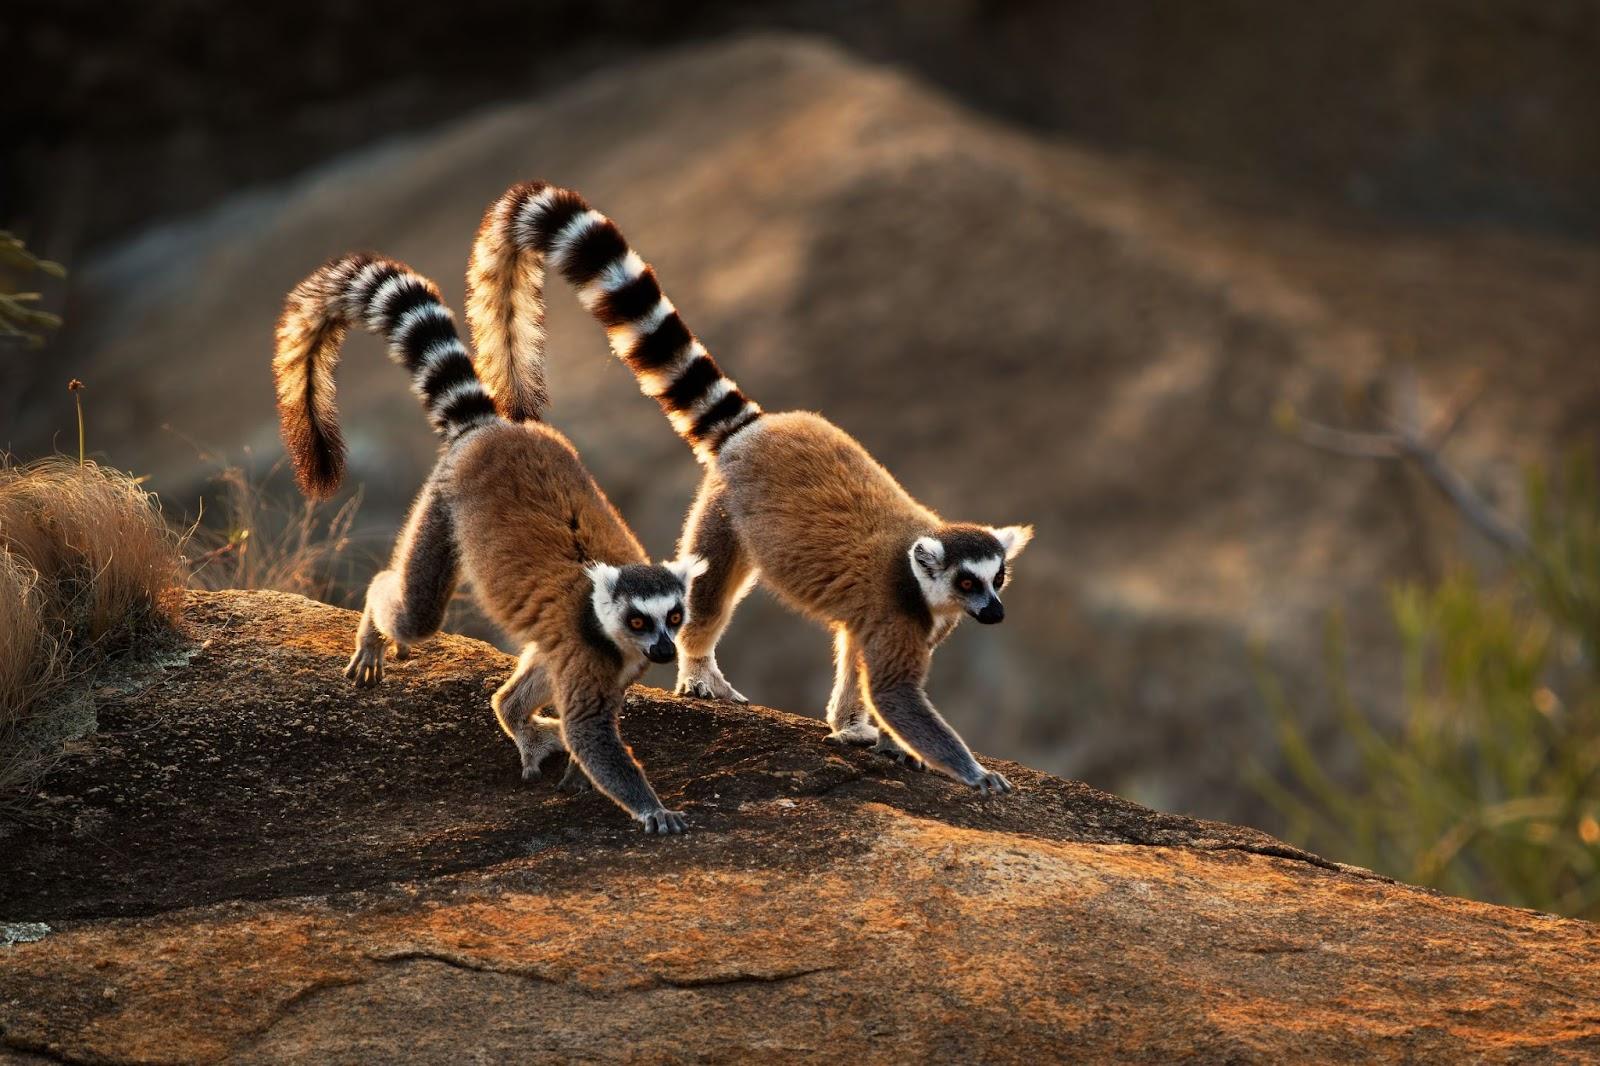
[(252, 862)]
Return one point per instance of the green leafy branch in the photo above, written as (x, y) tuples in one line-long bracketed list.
[(20, 318)]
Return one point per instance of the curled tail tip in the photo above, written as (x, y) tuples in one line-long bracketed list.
[(308, 424), (384, 296), (319, 463), (307, 338)]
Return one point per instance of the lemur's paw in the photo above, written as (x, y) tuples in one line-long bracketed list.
[(574, 780), (701, 678), (664, 822), (856, 735), (532, 762), (887, 747), (402, 652), (366, 666), (993, 784), (706, 690), (536, 742)]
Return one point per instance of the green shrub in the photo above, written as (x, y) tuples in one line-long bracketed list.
[(20, 318), (1489, 786)]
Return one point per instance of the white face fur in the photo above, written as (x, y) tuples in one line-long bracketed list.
[(642, 608), (970, 583)]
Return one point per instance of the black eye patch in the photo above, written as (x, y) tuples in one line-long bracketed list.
[(1000, 577)]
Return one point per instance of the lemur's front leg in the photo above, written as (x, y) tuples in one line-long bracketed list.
[(847, 708), (895, 666), (709, 533), (406, 603), (886, 744), (589, 730), (516, 706)]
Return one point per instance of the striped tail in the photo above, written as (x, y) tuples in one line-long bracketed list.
[(533, 222), (392, 300)]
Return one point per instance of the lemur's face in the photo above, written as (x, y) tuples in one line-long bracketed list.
[(963, 568), (642, 607)]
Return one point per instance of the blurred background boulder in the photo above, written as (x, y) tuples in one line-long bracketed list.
[(1056, 263)]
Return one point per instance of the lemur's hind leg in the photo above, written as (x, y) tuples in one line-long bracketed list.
[(847, 710), (894, 671), (729, 575), (516, 706), (406, 602)]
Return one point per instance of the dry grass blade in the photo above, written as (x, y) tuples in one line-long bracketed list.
[(268, 542)]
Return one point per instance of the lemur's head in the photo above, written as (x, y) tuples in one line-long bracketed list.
[(963, 567), (642, 607)]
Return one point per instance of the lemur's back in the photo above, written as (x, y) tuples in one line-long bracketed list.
[(829, 524), (528, 518)]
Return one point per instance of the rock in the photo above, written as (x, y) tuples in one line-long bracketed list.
[(1020, 330), (289, 870)]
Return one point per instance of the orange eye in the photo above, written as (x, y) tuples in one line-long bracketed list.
[(675, 618), (636, 622), (966, 584)]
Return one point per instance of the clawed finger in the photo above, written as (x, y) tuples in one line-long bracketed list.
[(665, 822)]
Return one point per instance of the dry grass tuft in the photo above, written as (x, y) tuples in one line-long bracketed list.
[(87, 567), (268, 541), (29, 645)]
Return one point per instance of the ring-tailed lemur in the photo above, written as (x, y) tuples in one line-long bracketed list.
[(788, 497), (511, 505)]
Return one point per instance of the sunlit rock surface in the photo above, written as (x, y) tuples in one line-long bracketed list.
[(252, 862)]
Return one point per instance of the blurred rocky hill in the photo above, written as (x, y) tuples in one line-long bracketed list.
[(1022, 331), (250, 861)]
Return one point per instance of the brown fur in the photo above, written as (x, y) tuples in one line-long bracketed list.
[(528, 517), (513, 507), (825, 522), (830, 530)]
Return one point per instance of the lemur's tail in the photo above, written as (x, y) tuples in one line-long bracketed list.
[(392, 300), (533, 222)]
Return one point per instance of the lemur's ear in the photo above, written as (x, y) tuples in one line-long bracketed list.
[(1013, 539), (604, 576), (687, 567), (928, 553)]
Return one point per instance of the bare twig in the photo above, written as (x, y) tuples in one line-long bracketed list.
[(1454, 411), (1469, 503), (1406, 439)]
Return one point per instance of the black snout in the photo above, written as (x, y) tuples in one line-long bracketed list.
[(993, 611), (662, 651)]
